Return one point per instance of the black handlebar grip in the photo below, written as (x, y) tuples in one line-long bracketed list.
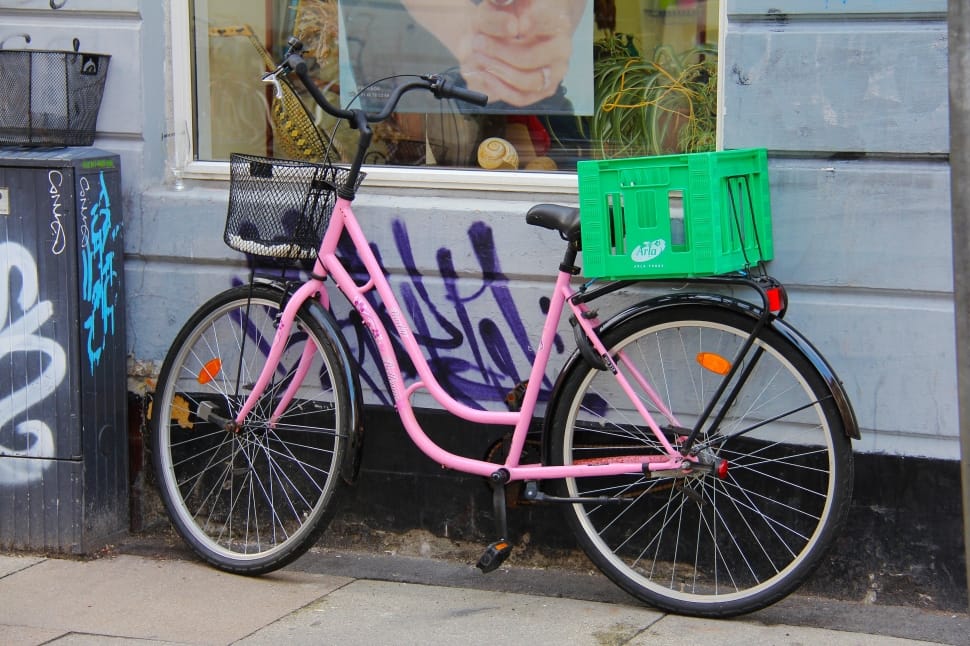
[(450, 89), (296, 63)]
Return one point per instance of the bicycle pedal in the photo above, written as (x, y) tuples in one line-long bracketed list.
[(495, 554)]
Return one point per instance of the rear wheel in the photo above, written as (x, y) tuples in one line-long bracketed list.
[(248, 500), (750, 529)]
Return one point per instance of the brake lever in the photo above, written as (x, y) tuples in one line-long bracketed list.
[(271, 77)]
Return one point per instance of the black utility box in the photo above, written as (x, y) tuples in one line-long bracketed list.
[(63, 372)]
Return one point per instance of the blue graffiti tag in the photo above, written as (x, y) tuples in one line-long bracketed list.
[(98, 280)]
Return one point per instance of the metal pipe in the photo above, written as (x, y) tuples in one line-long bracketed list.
[(959, 92)]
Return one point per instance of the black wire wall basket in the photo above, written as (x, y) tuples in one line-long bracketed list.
[(50, 98)]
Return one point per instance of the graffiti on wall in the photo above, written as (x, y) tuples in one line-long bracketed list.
[(99, 276), (55, 180), (39, 362), (477, 359)]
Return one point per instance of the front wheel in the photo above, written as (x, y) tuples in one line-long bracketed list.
[(750, 529), (249, 500)]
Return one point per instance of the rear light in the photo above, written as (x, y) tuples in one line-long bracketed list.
[(777, 299)]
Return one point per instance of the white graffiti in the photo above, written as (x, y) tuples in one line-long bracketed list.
[(23, 317), (83, 229), (59, 238)]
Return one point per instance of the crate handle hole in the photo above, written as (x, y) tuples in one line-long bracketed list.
[(678, 226), (617, 220)]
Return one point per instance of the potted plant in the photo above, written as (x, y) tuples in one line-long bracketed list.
[(659, 104)]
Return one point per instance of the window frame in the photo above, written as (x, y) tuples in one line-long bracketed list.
[(383, 176)]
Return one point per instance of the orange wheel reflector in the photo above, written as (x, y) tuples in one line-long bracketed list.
[(714, 362), (210, 370)]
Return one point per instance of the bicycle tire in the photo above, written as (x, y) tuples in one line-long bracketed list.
[(253, 500), (716, 544)]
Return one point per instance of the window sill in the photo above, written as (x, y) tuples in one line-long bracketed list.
[(432, 178)]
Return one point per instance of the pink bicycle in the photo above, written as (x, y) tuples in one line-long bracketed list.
[(698, 444)]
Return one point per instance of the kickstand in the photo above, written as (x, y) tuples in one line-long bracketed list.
[(496, 553)]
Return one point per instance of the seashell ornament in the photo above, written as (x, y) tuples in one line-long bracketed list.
[(496, 153)]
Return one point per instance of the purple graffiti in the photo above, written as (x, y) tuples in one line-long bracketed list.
[(475, 361), (470, 380)]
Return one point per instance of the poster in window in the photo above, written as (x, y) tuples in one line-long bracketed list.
[(529, 56)]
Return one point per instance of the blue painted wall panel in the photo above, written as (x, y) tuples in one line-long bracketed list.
[(837, 88), (850, 97), (837, 8), (894, 353), (862, 224)]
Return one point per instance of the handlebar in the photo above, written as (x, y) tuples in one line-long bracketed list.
[(440, 86)]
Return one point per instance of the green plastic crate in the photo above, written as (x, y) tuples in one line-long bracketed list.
[(675, 216)]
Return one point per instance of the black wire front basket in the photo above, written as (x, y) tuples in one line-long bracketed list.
[(280, 208), (50, 98)]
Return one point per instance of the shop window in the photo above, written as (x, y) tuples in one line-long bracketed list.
[(568, 79)]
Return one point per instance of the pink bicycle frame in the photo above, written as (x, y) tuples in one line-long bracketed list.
[(343, 219)]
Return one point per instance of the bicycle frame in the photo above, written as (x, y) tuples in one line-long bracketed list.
[(327, 264)]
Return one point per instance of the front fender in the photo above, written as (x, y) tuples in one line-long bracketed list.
[(350, 464), (834, 384)]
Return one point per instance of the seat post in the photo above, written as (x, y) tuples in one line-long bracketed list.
[(568, 263)]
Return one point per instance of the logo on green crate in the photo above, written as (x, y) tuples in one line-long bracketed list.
[(648, 250)]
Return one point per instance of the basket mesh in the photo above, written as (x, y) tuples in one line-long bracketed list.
[(50, 98), (279, 208)]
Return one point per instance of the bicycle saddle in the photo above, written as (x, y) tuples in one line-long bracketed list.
[(564, 219)]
